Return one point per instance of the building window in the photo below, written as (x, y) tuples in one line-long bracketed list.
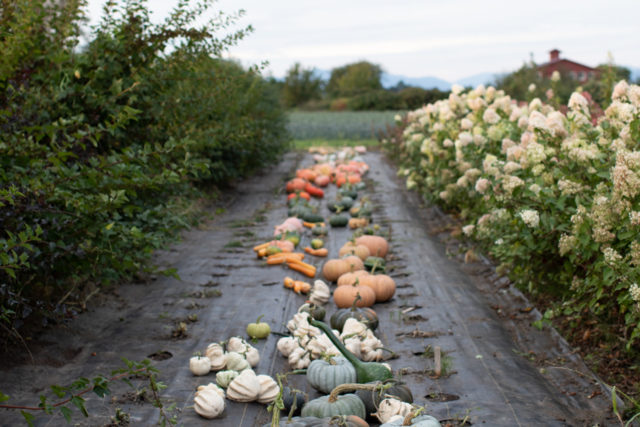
[(573, 75), (581, 75)]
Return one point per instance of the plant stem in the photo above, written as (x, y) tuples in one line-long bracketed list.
[(351, 387)]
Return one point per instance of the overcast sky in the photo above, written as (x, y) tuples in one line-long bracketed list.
[(450, 39)]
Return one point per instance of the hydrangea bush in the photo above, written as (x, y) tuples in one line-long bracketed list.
[(553, 197)]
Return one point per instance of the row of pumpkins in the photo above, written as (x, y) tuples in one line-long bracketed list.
[(341, 357)]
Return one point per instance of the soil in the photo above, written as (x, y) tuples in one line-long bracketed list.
[(498, 370)]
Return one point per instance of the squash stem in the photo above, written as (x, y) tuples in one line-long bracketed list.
[(350, 387)]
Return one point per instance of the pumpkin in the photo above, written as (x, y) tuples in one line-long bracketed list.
[(319, 230), (258, 330), (316, 311), (320, 293), (375, 264), (269, 389), (351, 278), (346, 296), (322, 180), (358, 222), (306, 174), (354, 262), (365, 315), (317, 243), (253, 356), (208, 403), (346, 404), (384, 286), (286, 345), (236, 361), (378, 246), (293, 397), (223, 378), (389, 388), (245, 387), (338, 420), (391, 407), (325, 375), (334, 268), (296, 184), (211, 386), (215, 353), (200, 365), (237, 344), (338, 220), (419, 421), (361, 251)]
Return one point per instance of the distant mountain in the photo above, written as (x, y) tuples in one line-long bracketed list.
[(635, 74), (477, 80), (390, 80)]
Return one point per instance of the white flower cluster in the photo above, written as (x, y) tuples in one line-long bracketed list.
[(530, 217)]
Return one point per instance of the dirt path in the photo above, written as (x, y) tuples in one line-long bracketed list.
[(501, 371)]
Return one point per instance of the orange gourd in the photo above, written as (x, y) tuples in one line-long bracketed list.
[(377, 245), (306, 174), (344, 296), (296, 184), (384, 286), (350, 278), (322, 180), (334, 268), (349, 248), (354, 263)]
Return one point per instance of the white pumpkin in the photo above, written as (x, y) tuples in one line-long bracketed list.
[(237, 344), (391, 407), (215, 353), (245, 387), (299, 358), (320, 293), (353, 345), (253, 356), (200, 365), (211, 386), (208, 403), (268, 389), (286, 345), (354, 327), (223, 378), (236, 361)]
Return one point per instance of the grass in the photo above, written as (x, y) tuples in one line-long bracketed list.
[(339, 125)]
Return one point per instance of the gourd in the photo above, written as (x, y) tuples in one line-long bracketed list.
[(286, 345), (348, 192), (319, 230), (296, 184), (293, 396), (389, 388), (200, 365), (236, 361), (325, 375), (334, 268), (252, 356), (236, 344), (259, 329), (208, 403), (320, 293), (338, 220), (335, 421), (361, 251), (354, 262), (316, 311), (378, 246), (365, 315), (392, 407), (269, 389), (361, 296), (358, 222), (215, 353), (317, 243), (384, 286), (335, 404), (351, 278), (419, 421), (224, 378), (245, 387), (309, 216), (365, 371), (211, 386)]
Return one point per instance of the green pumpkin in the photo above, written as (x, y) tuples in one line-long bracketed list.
[(338, 220), (346, 404), (365, 315), (312, 217), (319, 230), (316, 311), (348, 192), (291, 396), (325, 375), (419, 421), (335, 421), (372, 398)]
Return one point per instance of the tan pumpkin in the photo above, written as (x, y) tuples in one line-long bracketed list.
[(344, 296), (349, 248), (377, 245), (350, 278), (354, 263), (358, 222), (384, 286), (334, 268)]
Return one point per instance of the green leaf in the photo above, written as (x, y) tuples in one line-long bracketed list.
[(79, 402), (66, 413), (29, 418), (58, 390), (3, 397)]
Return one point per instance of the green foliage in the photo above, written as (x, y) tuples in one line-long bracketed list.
[(301, 86), (354, 79), (104, 149)]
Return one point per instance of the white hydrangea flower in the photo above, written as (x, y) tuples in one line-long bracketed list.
[(532, 87), (466, 124), (468, 229), (634, 290), (530, 217), (620, 90), (555, 76), (456, 89), (482, 185), (578, 102), (490, 116)]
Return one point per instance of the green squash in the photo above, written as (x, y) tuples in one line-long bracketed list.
[(325, 375), (365, 315), (319, 230), (312, 217), (348, 192), (316, 311), (338, 220), (346, 404), (335, 421), (419, 421), (291, 396), (375, 264)]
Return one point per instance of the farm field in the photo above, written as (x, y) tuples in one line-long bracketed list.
[(484, 376), (339, 125)]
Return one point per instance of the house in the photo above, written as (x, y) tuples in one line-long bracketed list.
[(576, 71)]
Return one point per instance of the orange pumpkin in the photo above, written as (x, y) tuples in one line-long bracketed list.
[(344, 296), (349, 248), (377, 245), (350, 278), (322, 180), (384, 286), (296, 184), (354, 263), (334, 268), (306, 174)]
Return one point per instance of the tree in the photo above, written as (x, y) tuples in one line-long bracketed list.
[(354, 79), (301, 86)]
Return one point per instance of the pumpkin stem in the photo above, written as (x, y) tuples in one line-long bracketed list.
[(350, 387), (261, 316), (355, 301), (411, 416)]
